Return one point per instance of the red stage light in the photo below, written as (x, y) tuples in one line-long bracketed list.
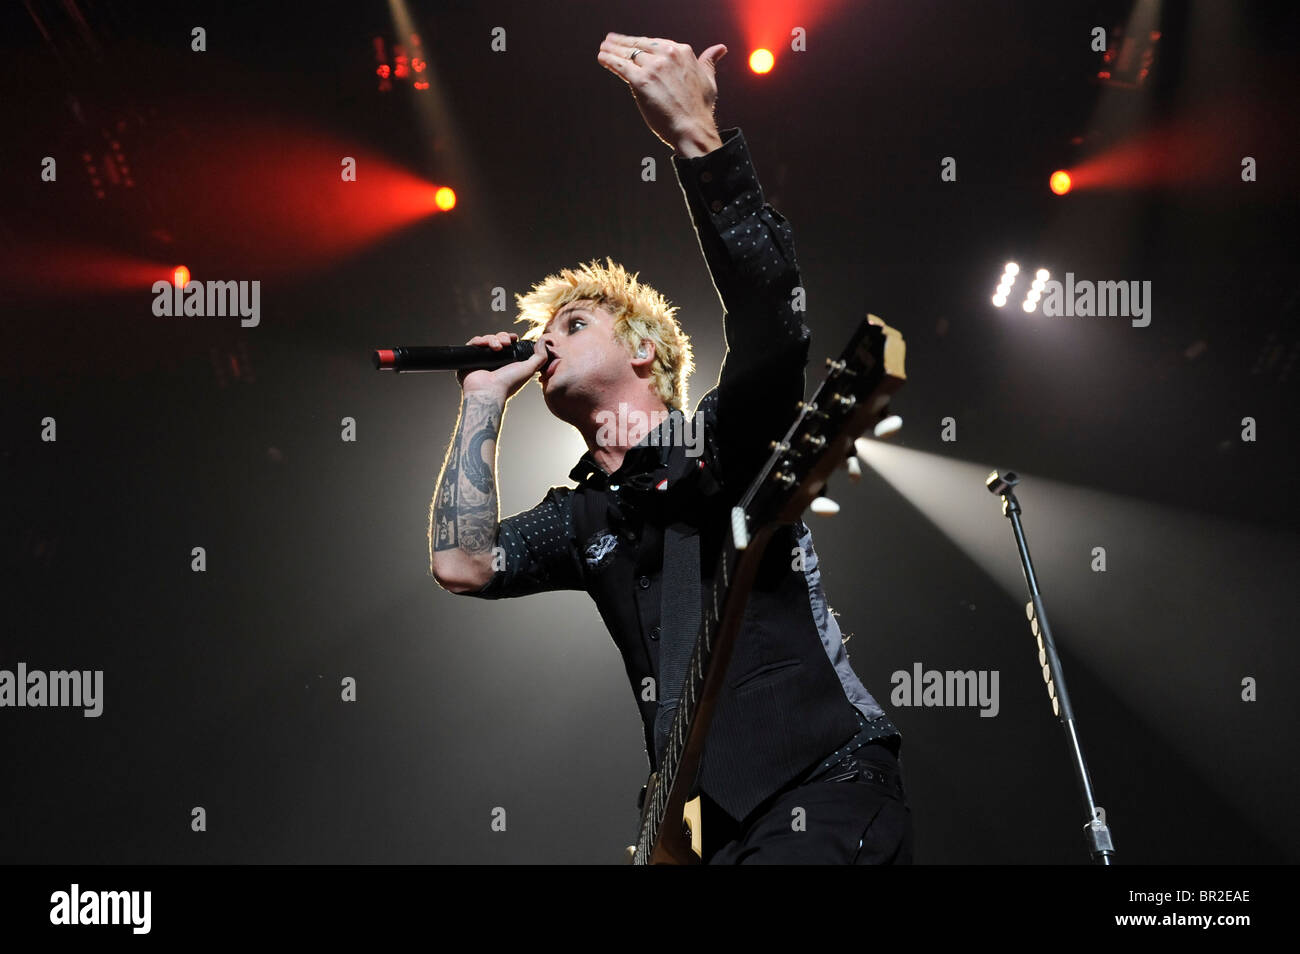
[(1060, 182), (181, 276), (445, 198), (290, 197), (55, 270), (760, 61)]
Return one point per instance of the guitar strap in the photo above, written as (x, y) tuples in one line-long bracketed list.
[(690, 485), (679, 623)]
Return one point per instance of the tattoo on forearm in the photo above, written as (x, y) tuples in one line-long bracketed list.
[(477, 470), (464, 515)]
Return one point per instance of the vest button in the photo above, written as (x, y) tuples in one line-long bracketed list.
[(644, 582), (654, 633)]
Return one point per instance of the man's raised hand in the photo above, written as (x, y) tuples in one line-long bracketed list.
[(674, 89)]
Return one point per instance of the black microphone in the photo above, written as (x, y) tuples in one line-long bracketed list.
[(456, 358)]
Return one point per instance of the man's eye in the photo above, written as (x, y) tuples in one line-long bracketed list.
[(574, 322)]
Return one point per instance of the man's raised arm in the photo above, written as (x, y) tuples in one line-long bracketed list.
[(747, 243)]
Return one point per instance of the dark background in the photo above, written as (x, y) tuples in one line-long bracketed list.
[(222, 688)]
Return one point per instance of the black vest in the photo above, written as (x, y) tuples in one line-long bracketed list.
[(782, 707)]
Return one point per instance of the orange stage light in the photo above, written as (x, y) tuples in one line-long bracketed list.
[(760, 61), (1060, 182), (445, 198), (181, 276)]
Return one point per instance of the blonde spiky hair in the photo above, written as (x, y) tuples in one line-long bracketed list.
[(639, 312)]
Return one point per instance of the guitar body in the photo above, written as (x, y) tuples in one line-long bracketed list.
[(681, 844)]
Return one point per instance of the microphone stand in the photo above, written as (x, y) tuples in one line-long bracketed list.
[(1100, 845)]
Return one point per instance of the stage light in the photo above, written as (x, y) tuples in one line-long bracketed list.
[(445, 198), (1060, 182), (1004, 285), (760, 61), (181, 276), (1035, 292)]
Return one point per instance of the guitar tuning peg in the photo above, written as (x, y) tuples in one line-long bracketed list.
[(825, 507), (889, 426), (854, 467)]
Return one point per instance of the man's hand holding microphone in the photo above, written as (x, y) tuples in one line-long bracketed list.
[(505, 381)]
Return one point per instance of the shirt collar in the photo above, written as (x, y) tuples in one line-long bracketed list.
[(644, 457)]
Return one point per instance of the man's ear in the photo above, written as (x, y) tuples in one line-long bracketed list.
[(645, 354)]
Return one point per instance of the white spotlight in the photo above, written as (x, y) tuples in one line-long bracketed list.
[(1012, 268), (1029, 305), (1043, 274), (999, 299)]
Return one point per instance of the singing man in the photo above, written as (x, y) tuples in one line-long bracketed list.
[(800, 763)]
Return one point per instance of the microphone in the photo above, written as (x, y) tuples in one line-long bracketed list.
[(457, 358)]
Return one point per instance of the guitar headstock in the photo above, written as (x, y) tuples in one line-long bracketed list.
[(852, 398)]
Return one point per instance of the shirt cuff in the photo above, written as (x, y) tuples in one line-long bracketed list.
[(722, 181)]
